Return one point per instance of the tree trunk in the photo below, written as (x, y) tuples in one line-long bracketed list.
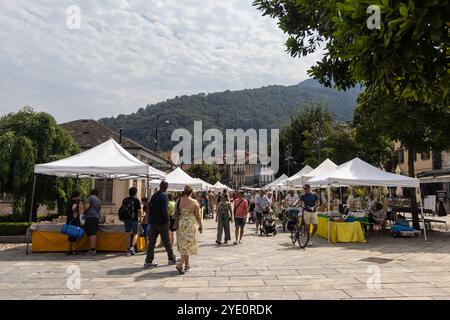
[(414, 208)]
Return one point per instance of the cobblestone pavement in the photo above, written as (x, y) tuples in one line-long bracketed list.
[(259, 268)]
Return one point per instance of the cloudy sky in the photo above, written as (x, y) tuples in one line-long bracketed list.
[(127, 54)]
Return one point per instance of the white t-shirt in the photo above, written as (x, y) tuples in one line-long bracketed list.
[(291, 200), (262, 201)]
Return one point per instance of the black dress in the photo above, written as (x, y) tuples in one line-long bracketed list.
[(70, 218)]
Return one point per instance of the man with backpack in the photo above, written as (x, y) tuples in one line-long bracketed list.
[(130, 214)]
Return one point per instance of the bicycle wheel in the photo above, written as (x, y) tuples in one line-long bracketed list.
[(303, 235)]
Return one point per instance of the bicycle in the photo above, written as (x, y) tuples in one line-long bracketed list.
[(299, 232)]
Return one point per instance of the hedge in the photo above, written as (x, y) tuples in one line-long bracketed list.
[(13, 228), (21, 217), (16, 217)]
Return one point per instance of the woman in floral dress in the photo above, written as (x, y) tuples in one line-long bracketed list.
[(189, 221)]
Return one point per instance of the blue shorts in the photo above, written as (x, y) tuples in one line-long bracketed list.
[(144, 230), (131, 226), (239, 222)]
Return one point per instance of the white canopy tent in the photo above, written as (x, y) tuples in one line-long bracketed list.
[(220, 187), (205, 185), (108, 160), (276, 182), (359, 173), (323, 168), (177, 180), (298, 179)]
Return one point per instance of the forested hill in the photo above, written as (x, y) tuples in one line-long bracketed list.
[(266, 107)]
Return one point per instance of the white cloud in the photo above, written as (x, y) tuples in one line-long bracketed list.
[(129, 53)]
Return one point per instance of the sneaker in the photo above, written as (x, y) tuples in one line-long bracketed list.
[(310, 243), (219, 243), (132, 251), (235, 243), (92, 252), (150, 265), (129, 253), (173, 262)]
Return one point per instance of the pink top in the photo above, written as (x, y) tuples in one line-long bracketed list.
[(240, 208)]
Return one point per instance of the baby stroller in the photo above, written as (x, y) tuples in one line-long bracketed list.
[(268, 224)]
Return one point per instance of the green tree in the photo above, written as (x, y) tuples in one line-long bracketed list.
[(27, 138), (417, 126), (206, 172), (407, 54), (305, 136)]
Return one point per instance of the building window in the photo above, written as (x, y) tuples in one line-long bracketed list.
[(401, 156), (425, 156), (105, 190)]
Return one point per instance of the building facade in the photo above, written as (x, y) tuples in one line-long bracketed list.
[(432, 169)]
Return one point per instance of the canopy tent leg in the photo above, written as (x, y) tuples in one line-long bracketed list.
[(147, 180), (31, 211), (328, 209), (423, 216)]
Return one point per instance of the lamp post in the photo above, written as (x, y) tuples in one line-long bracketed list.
[(289, 157), (156, 132)]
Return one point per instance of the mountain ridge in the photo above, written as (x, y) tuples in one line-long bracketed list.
[(266, 107)]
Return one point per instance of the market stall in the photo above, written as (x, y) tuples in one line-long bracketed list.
[(219, 187), (105, 161), (298, 179), (177, 180), (359, 173), (343, 231), (110, 237), (205, 185)]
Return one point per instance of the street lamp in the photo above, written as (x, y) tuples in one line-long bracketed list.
[(156, 132), (289, 157)]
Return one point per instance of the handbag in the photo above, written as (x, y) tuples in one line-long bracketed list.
[(72, 231)]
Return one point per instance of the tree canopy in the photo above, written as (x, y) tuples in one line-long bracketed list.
[(26, 138), (206, 172), (408, 54)]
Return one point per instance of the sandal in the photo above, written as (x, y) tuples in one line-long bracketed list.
[(186, 268), (180, 268)]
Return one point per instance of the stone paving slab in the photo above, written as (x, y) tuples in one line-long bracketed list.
[(260, 268)]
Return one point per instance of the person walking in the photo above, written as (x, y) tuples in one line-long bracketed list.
[(310, 203), (158, 219), (92, 215), (144, 221), (73, 211), (189, 223), (223, 219), (132, 208), (261, 203), (171, 211), (211, 201), (240, 216)]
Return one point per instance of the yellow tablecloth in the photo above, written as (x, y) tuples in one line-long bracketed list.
[(51, 240), (341, 231)]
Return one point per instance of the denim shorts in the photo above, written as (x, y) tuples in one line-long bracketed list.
[(239, 222), (131, 226)]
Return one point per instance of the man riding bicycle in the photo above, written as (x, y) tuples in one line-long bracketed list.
[(291, 202), (310, 202)]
